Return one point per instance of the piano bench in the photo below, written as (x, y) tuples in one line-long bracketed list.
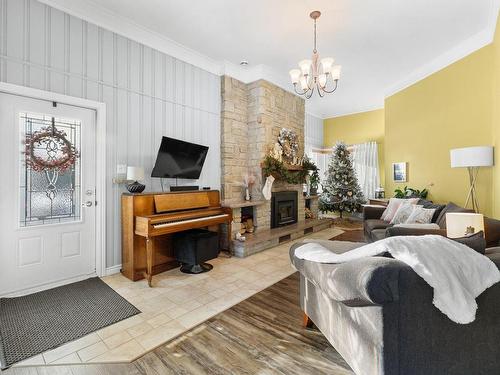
[(192, 248)]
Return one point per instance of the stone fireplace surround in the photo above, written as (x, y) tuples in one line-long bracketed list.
[(252, 116)]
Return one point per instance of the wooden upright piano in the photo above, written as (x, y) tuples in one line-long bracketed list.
[(150, 219)]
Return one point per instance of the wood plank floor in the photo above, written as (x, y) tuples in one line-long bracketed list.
[(261, 335), (353, 235)]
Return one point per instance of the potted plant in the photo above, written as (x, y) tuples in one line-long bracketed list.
[(313, 174), (314, 181), (407, 192)]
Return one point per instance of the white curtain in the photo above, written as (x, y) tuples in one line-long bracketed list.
[(365, 163)]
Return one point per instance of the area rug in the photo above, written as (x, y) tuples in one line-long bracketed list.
[(32, 324), (347, 223), (353, 235)]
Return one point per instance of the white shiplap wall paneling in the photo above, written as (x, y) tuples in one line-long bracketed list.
[(148, 94), (313, 132)]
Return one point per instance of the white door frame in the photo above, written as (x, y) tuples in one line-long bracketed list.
[(100, 197)]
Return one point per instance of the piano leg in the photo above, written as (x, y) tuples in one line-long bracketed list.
[(149, 261)]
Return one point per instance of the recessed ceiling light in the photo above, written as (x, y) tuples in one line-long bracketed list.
[(243, 62)]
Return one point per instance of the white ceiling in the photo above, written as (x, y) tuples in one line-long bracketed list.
[(382, 45)]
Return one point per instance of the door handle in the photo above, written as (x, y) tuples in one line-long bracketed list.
[(88, 203)]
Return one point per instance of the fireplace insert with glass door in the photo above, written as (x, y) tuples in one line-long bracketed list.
[(283, 208)]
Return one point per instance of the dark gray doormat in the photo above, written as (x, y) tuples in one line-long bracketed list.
[(33, 324)]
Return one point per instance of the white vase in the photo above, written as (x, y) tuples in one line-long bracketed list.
[(247, 194)]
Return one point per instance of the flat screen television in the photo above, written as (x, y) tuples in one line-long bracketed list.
[(179, 159)]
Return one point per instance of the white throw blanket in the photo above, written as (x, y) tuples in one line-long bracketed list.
[(457, 273)]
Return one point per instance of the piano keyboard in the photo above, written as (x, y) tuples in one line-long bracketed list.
[(172, 223)]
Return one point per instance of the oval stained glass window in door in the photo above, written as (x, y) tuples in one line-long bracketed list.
[(50, 187)]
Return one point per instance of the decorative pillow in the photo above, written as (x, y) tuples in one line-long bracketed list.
[(475, 241), (430, 204), (393, 206), (403, 213), (421, 215)]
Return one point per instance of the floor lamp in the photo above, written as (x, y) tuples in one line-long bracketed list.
[(472, 158)]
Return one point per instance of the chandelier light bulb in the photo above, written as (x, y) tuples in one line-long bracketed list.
[(322, 80), (336, 72), (315, 74), (295, 76), (327, 64), (305, 66), (303, 83)]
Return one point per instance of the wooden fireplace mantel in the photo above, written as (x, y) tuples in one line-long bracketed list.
[(288, 167)]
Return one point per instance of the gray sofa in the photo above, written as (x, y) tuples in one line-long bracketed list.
[(378, 314), (376, 229)]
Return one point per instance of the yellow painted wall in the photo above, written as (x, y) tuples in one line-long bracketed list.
[(458, 106), (449, 109), (357, 128), (496, 124)]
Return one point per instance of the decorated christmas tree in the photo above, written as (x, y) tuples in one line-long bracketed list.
[(341, 190)]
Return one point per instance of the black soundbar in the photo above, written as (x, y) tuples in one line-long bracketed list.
[(184, 188)]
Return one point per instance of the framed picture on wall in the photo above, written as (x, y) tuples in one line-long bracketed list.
[(399, 172)]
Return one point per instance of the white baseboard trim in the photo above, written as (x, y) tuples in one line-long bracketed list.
[(49, 285), (113, 270)]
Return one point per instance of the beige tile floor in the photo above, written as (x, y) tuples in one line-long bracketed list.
[(176, 303)]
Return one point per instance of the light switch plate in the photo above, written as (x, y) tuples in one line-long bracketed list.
[(121, 169)]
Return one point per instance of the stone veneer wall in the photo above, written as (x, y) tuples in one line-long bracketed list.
[(252, 116), (234, 137)]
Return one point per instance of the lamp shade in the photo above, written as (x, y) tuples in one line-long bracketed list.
[(295, 75), (481, 156), (135, 173), (327, 64), (336, 72), (303, 83), (322, 80), (305, 66), (461, 224)]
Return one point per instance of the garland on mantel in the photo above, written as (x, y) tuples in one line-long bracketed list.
[(279, 170)]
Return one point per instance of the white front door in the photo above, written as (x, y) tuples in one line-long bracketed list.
[(47, 215)]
